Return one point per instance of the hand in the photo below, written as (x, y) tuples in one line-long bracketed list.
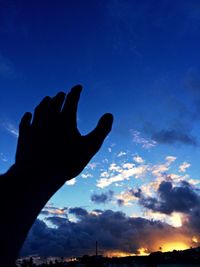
[(50, 146), (50, 151)]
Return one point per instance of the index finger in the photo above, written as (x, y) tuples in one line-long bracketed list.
[(69, 110)]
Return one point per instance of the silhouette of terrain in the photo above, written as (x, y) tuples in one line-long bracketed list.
[(189, 257)]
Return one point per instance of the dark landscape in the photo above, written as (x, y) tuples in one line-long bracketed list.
[(189, 257)]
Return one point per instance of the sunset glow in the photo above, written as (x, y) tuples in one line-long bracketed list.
[(143, 252), (174, 246), (195, 239), (118, 254)]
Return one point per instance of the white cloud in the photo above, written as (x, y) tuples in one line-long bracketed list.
[(71, 182), (184, 166), (176, 177), (117, 173), (92, 165), (123, 174), (121, 153), (11, 128), (128, 165), (115, 168), (86, 175), (174, 219), (159, 169), (104, 174), (193, 181), (150, 188), (170, 159), (3, 157), (127, 197), (138, 159), (138, 139)]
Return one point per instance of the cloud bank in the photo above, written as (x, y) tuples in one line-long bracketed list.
[(114, 231)]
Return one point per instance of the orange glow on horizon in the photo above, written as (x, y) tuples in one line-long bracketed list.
[(170, 246), (119, 254), (142, 252), (164, 246)]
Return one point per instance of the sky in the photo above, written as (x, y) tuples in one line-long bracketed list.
[(140, 61)]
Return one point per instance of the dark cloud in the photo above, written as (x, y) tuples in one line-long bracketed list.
[(171, 136), (114, 231), (136, 192), (58, 221), (192, 220), (78, 212), (120, 202), (181, 198), (102, 198)]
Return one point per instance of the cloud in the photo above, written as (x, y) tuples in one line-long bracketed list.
[(92, 165), (71, 182), (158, 170), (114, 231), (128, 165), (58, 221), (171, 198), (175, 219), (121, 153), (51, 210), (171, 136), (138, 159), (192, 220), (86, 175), (124, 172), (120, 202), (79, 212), (146, 143), (3, 157), (11, 128), (126, 197), (184, 166), (102, 198)]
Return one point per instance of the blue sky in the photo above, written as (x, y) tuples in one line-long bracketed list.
[(140, 61)]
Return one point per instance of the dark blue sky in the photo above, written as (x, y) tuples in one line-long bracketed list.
[(139, 60)]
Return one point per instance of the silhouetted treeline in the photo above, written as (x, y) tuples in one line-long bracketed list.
[(189, 257)]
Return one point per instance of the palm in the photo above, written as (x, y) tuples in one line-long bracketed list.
[(52, 145)]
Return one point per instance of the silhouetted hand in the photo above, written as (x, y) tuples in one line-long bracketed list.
[(51, 144), (50, 151)]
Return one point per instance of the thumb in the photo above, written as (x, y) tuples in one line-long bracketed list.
[(97, 136)]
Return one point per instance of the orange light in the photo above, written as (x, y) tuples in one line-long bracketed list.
[(194, 239), (119, 254), (174, 246), (143, 252)]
